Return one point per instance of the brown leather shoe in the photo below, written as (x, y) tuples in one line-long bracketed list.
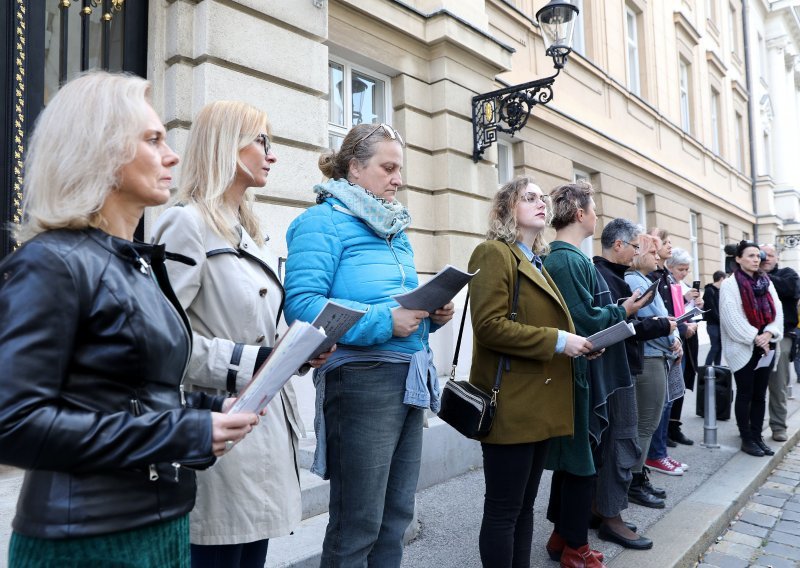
[(556, 544), (583, 557)]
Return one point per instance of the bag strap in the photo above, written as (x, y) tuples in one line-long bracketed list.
[(503, 360)]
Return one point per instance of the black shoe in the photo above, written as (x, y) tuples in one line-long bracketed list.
[(641, 543), (641, 496), (596, 520), (764, 447), (659, 492), (676, 435), (671, 443), (750, 447)]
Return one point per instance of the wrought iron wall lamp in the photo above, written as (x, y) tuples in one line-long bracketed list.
[(507, 110)]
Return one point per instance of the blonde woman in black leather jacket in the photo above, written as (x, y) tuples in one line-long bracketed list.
[(94, 345)]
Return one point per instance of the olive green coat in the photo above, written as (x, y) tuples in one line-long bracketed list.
[(535, 400)]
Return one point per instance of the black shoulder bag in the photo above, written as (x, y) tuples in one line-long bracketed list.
[(464, 406)]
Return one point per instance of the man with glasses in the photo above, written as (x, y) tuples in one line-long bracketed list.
[(619, 242)]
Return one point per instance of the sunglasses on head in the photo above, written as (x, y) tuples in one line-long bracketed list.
[(391, 133)]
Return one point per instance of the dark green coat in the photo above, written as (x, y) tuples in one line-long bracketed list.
[(535, 399), (575, 276)]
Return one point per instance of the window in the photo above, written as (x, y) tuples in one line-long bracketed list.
[(715, 122), (767, 153), (686, 121), (711, 10), (632, 38), (738, 150), (587, 244), (723, 240), (641, 210), (579, 34), (505, 162), (357, 96), (762, 58), (733, 33), (693, 244)]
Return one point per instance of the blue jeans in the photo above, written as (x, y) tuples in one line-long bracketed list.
[(714, 356), (374, 451), (658, 444)]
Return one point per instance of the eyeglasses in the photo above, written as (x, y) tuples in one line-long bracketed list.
[(390, 132), (531, 197), (635, 247), (263, 139)]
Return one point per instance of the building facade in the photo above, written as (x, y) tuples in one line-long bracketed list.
[(654, 106)]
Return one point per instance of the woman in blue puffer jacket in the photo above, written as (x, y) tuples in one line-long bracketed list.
[(371, 394)]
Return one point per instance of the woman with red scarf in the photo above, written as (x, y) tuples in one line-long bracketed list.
[(751, 322)]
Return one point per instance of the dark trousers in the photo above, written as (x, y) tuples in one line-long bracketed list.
[(751, 392), (570, 506), (714, 356), (246, 555), (512, 473)]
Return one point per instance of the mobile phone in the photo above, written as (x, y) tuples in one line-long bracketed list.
[(696, 285)]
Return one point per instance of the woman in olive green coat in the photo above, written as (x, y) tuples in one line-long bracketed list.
[(535, 402)]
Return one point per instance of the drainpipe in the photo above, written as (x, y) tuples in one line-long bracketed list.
[(748, 75)]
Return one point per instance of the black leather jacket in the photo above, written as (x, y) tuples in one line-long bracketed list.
[(93, 348)]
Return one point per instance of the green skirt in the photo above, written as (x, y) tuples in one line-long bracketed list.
[(164, 544)]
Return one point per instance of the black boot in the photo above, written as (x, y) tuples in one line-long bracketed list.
[(659, 492), (674, 433), (764, 447), (749, 446), (641, 496)]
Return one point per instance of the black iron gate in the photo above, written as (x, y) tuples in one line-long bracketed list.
[(46, 42)]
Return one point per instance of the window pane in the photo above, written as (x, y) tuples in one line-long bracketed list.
[(335, 103), (335, 141), (369, 100)]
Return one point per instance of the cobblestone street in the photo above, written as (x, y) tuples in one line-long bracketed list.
[(766, 532)]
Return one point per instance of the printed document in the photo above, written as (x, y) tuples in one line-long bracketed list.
[(437, 291), (298, 345), (336, 320), (611, 335)]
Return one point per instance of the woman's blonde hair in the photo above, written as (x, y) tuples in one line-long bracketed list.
[(85, 134), (646, 241), (219, 132), (503, 215)]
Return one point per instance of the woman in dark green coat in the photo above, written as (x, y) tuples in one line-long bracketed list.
[(535, 399), (570, 457)]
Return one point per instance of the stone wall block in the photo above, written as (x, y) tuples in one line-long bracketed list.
[(610, 185), (293, 176), (416, 128), (451, 97), (302, 15), (409, 91), (261, 45), (419, 170), (180, 30), (178, 79), (450, 132), (543, 160), (295, 115)]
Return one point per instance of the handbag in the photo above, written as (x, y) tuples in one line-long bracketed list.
[(464, 406)]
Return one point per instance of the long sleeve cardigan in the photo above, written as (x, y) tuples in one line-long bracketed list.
[(738, 334)]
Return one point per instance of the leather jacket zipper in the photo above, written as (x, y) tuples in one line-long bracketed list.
[(136, 410)]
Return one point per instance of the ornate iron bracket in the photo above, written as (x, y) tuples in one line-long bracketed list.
[(506, 110), (787, 241)]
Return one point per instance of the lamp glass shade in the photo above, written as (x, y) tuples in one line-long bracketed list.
[(557, 22)]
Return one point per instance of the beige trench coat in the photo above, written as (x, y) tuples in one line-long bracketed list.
[(233, 297)]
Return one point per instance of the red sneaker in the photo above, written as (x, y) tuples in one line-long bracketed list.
[(665, 466), (676, 463)]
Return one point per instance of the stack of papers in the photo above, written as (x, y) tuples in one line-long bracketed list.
[(298, 345), (620, 331), (336, 320)]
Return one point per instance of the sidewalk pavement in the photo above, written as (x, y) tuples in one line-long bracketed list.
[(767, 531), (700, 505)]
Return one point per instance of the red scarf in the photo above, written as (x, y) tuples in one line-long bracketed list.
[(756, 299)]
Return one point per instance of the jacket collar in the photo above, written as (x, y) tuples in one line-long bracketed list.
[(541, 279), (616, 268)]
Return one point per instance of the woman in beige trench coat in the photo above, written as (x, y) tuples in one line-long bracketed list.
[(234, 298)]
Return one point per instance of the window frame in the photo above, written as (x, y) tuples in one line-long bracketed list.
[(632, 49), (685, 94), (348, 67), (694, 228), (715, 115)]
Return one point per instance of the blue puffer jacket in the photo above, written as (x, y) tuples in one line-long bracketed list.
[(335, 255)]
